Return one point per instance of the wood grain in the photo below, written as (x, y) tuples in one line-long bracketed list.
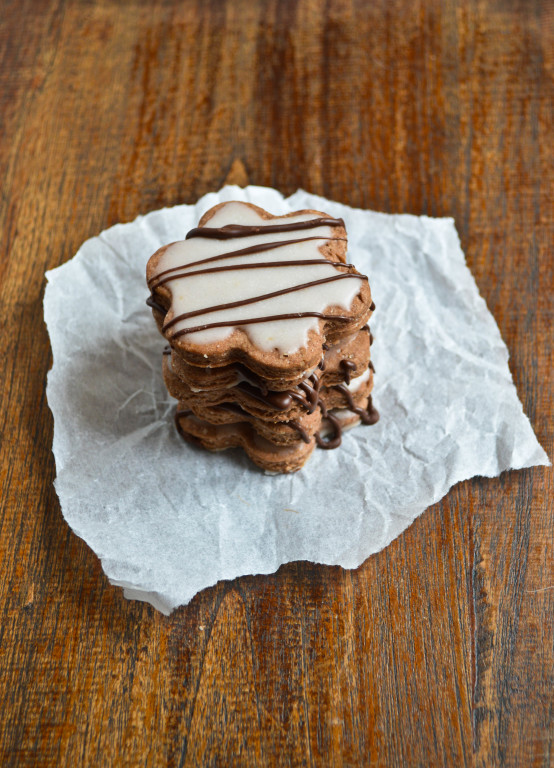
[(439, 651)]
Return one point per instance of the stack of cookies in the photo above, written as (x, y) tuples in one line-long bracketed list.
[(269, 347)]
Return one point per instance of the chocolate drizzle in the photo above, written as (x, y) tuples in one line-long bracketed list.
[(348, 368), (281, 401), (151, 302), (334, 442), (155, 281), (239, 230), (310, 387), (372, 412), (309, 399), (252, 300), (255, 265), (231, 231), (369, 415), (267, 318), (300, 429)]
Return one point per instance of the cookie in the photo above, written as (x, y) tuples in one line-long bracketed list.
[(265, 454), (349, 357), (265, 291)]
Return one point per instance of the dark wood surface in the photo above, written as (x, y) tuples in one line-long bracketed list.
[(440, 650)]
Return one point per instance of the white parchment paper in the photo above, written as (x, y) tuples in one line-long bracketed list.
[(168, 519)]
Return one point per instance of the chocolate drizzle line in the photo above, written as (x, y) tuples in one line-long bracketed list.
[(267, 318), (300, 429), (255, 265), (372, 412), (329, 443), (236, 231), (151, 302), (348, 368), (252, 300), (281, 401), (369, 415), (260, 248), (239, 230)]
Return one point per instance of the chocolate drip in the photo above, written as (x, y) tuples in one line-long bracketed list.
[(281, 401), (372, 412), (334, 442), (311, 390), (366, 328), (349, 368), (239, 230), (371, 366), (308, 396), (369, 416), (372, 306), (300, 429)]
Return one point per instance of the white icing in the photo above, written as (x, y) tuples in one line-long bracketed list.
[(356, 383), (207, 290)]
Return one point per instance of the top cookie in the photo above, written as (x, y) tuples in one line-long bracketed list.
[(266, 291)]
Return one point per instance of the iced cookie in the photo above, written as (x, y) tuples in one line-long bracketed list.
[(266, 291)]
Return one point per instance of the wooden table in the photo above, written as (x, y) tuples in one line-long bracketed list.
[(439, 650)]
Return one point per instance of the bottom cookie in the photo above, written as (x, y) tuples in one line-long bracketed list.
[(265, 454)]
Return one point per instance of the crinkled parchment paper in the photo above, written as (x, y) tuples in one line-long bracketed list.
[(168, 519)]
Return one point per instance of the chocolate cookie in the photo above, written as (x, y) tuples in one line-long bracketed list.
[(266, 291)]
